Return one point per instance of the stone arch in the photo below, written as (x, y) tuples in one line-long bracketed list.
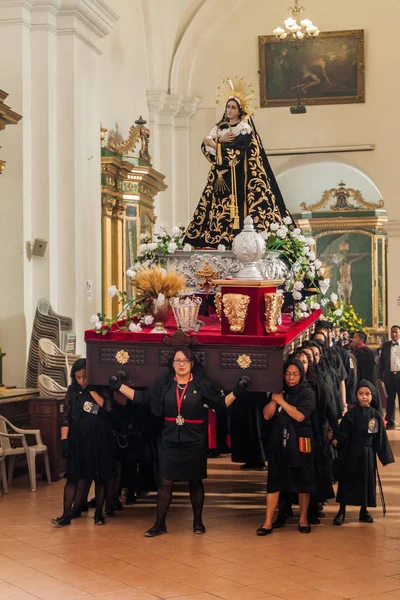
[(210, 15), (304, 179)]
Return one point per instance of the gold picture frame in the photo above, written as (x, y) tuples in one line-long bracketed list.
[(326, 70)]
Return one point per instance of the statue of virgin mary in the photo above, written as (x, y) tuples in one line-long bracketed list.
[(240, 181)]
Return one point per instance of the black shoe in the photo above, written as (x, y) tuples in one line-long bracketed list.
[(390, 426), (339, 519), (304, 528), (199, 529), (110, 512), (249, 467), (61, 521), (118, 505), (99, 520), (314, 520), (261, 531), (142, 494), (155, 531), (365, 517), (279, 522), (130, 500)]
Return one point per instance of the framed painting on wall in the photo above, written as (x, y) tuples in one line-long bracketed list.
[(326, 70), (349, 256)]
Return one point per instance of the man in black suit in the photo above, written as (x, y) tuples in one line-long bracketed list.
[(389, 373)]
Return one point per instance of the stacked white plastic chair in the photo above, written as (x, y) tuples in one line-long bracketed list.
[(48, 388), (31, 452), (57, 328), (3, 475), (55, 363)]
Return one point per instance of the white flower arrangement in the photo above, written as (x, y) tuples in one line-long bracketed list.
[(112, 291), (306, 275), (135, 327), (334, 297), (172, 247), (94, 319), (130, 273), (221, 248)]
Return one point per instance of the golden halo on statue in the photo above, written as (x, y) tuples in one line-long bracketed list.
[(236, 87)]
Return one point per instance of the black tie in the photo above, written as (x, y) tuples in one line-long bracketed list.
[(395, 343)]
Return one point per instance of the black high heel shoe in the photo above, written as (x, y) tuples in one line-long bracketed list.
[(304, 528), (262, 531)]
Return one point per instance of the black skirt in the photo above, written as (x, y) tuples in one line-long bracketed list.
[(91, 449), (283, 477), (183, 461)]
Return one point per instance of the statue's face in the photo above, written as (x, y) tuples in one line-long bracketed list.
[(232, 110)]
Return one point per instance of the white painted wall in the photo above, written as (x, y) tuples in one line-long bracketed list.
[(66, 72)]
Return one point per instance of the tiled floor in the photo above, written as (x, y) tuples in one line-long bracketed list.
[(229, 562)]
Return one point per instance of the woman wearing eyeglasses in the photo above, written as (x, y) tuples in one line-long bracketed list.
[(180, 397)]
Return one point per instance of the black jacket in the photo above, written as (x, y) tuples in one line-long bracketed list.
[(384, 362)]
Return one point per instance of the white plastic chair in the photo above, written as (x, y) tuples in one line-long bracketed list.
[(30, 451), (3, 474), (48, 388)]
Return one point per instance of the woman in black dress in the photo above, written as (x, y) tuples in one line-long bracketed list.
[(88, 445), (290, 449), (180, 397)]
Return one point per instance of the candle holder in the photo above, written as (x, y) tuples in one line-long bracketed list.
[(186, 309)]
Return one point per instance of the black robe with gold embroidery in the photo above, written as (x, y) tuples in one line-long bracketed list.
[(240, 169)]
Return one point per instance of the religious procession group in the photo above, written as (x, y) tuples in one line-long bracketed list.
[(325, 425)]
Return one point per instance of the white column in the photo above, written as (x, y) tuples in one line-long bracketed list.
[(393, 287), (15, 189), (182, 212), (169, 116), (52, 179)]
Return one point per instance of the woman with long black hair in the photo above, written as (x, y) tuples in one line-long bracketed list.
[(182, 398), (88, 445), (332, 365), (290, 449)]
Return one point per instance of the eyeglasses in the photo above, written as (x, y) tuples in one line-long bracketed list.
[(182, 361)]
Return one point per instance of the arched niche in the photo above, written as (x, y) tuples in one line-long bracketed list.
[(305, 179)]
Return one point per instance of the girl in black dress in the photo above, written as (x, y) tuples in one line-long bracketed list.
[(180, 397), (362, 437), (88, 445), (290, 448)]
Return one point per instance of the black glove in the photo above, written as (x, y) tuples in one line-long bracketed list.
[(115, 382), (241, 386), (64, 448)]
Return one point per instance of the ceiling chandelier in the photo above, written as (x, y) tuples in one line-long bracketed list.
[(296, 28)]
